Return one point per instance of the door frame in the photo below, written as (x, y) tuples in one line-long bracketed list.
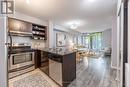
[(125, 39)]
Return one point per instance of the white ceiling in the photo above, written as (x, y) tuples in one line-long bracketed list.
[(92, 15)]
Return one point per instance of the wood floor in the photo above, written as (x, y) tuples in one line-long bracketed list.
[(93, 72)]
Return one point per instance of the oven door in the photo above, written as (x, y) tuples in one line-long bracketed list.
[(21, 60)]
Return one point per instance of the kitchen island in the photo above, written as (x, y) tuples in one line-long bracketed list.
[(58, 64)]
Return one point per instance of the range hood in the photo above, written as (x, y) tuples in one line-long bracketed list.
[(19, 33)]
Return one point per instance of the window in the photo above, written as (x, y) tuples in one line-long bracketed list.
[(94, 41)]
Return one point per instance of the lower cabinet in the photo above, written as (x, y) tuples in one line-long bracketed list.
[(60, 68)]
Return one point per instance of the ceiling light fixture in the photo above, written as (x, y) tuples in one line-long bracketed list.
[(74, 26), (28, 1)]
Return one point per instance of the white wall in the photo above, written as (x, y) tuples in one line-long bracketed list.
[(106, 38), (50, 41), (3, 53), (114, 44)]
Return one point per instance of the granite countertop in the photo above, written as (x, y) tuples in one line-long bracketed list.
[(57, 51)]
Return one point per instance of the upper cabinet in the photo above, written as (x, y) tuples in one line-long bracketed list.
[(23, 28), (17, 26)]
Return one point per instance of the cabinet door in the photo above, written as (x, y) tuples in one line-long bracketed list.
[(14, 25), (26, 27), (19, 26)]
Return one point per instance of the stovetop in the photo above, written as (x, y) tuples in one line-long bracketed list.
[(19, 49)]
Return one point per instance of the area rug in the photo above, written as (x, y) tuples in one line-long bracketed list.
[(35, 80)]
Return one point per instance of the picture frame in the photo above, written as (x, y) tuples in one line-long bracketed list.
[(60, 40)]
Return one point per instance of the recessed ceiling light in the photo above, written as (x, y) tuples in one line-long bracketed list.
[(28, 1)]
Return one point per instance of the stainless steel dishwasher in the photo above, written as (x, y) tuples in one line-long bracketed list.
[(55, 68)]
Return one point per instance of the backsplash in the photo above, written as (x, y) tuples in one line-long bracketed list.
[(17, 39), (38, 44), (34, 43)]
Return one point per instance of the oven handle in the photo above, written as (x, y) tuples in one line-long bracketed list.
[(10, 44), (22, 53)]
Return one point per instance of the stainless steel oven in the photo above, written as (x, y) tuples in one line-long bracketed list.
[(20, 63), (20, 60)]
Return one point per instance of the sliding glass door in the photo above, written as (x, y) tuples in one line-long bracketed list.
[(94, 41)]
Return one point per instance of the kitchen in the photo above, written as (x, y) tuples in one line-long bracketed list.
[(28, 50)]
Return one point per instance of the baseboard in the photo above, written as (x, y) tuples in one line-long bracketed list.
[(113, 67)]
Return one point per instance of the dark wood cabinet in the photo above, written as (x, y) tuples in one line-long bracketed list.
[(69, 68), (42, 61), (19, 26), (66, 63), (37, 58)]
